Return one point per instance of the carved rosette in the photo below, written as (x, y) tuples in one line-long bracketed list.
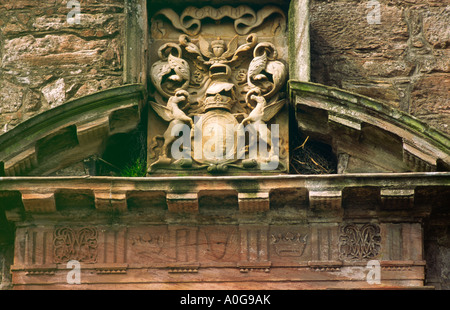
[(221, 84), (359, 242)]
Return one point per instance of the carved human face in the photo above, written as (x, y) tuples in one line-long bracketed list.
[(218, 50)]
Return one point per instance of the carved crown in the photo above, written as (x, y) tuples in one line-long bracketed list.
[(289, 244), (220, 95)]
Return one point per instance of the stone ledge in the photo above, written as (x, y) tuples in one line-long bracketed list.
[(324, 192)]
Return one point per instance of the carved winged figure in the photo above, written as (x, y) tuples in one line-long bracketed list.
[(264, 71), (218, 52), (262, 112), (172, 69), (173, 114)]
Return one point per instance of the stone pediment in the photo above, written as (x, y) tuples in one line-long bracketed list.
[(366, 135), (68, 134)]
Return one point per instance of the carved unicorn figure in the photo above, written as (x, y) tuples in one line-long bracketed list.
[(261, 113), (173, 114)]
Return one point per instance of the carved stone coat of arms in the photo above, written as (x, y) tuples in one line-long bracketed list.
[(218, 103)]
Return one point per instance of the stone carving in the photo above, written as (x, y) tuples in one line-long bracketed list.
[(154, 241), (289, 244), (221, 88), (172, 68), (245, 18), (150, 245), (173, 114), (221, 242), (262, 113), (359, 241), (75, 244), (264, 65)]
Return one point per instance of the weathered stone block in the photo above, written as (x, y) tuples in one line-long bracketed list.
[(11, 97), (430, 99)]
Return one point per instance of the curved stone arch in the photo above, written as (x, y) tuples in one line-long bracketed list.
[(368, 135), (69, 133)]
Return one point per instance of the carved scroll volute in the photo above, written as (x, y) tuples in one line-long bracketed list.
[(245, 18)]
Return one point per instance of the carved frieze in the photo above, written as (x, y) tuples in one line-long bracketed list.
[(222, 243), (75, 244), (289, 243), (358, 241), (217, 90)]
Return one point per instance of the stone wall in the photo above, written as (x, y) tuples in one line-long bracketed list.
[(404, 60), (45, 61)]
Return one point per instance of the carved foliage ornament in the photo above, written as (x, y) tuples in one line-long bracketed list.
[(359, 241), (218, 88)]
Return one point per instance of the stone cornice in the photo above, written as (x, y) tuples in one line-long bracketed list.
[(395, 194)]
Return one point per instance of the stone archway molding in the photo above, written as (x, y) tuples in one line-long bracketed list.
[(71, 132), (368, 135)]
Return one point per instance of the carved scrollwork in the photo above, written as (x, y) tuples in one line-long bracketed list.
[(265, 71), (75, 244), (359, 241), (245, 18)]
